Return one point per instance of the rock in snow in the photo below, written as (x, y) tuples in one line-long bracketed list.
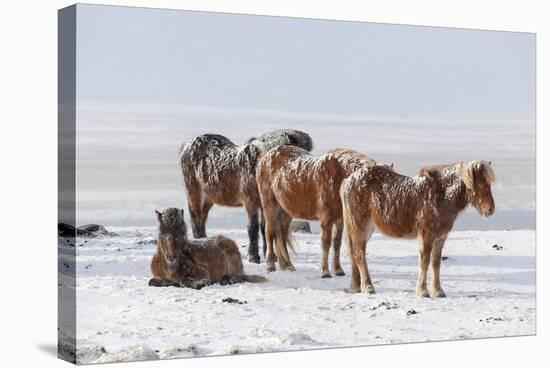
[(300, 227), (90, 230)]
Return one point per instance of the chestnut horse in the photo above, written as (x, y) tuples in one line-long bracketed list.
[(294, 184), (424, 206), (194, 263), (216, 171)]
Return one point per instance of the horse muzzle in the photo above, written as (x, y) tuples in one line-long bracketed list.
[(488, 212)]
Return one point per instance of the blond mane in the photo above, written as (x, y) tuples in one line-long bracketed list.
[(479, 167)]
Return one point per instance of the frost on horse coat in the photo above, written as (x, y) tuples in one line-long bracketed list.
[(424, 206), (294, 184), (216, 171), (194, 263)]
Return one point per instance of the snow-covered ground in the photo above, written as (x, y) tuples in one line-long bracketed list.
[(490, 293)]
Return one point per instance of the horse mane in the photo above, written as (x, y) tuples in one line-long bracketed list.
[(466, 171), (171, 220), (479, 168), (352, 154)]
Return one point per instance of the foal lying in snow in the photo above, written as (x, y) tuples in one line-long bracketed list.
[(194, 263), (425, 206)]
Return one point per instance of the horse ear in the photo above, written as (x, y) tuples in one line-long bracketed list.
[(182, 212), (391, 165), (425, 171), (159, 216), (489, 162)]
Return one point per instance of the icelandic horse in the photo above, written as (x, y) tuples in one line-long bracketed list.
[(216, 171), (295, 184), (424, 206), (194, 263)]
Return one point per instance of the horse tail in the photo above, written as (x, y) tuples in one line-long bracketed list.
[(346, 220), (283, 242), (181, 147), (255, 279), (183, 158), (347, 235), (290, 242)]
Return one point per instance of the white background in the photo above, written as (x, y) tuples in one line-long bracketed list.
[(28, 85)]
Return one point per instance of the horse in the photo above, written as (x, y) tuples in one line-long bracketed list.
[(216, 171), (424, 206), (295, 184), (194, 263)]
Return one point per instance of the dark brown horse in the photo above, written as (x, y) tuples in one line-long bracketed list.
[(424, 206), (294, 184), (216, 171), (194, 263)]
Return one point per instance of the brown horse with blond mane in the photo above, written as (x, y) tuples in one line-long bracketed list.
[(295, 184), (424, 206)]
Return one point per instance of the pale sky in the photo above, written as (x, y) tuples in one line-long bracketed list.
[(290, 64)]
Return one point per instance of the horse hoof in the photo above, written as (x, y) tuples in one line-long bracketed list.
[(340, 273), (155, 282), (326, 275), (291, 268), (254, 259), (423, 293), (226, 280), (271, 268), (439, 294), (199, 285), (368, 290), (352, 290)]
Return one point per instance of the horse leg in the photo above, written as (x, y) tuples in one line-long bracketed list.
[(284, 223), (194, 213), (262, 229), (253, 228), (270, 226), (198, 207), (356, 239), (423, 263), (360, 254), (355, 285), (437, 291), (206, 206), (337, 230), (195, 201), (358, 245), (361, 262), (326, 230), (199, 214), (160, 282)]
